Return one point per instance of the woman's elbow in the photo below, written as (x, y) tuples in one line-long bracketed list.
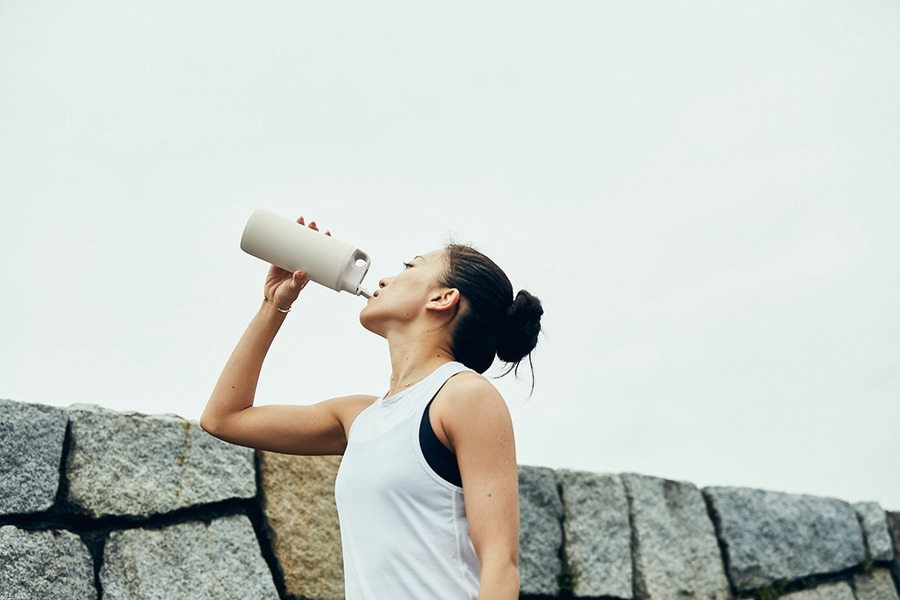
[(211, 425)]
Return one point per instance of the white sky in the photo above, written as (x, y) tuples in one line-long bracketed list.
[(704, 195)]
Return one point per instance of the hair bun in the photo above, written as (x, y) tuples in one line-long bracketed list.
[(518, 334)]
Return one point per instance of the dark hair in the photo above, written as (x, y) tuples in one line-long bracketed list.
[(493, 323)]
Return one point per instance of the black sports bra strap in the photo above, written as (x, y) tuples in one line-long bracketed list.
[(440, 458)]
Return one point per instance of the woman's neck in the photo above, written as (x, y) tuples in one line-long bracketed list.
[(414, 360)]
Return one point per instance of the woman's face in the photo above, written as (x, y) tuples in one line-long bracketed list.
[(403, 297)]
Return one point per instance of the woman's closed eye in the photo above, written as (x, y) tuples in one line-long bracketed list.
[(407, 265)]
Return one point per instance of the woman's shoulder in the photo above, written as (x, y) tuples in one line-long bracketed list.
[(469, 405), (468, 387), (469, 380), (347, 408)]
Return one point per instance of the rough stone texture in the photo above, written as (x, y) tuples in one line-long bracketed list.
[(174, 465), (597, 533), (540, 534), (298, 501), (874, 524), (31, 446), (831, 591), (893, 520), (674, 546), (138, 466), (187, 561), (771, 536), (877, 585), (50, 565)]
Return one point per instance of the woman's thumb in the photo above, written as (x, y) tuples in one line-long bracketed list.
[(298, 281)]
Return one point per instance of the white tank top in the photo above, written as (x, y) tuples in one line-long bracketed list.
[(404, 532)]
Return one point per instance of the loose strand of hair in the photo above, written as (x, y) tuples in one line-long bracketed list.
[(513, 367)]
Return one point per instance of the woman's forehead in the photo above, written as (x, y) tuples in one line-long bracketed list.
[(431, 256)]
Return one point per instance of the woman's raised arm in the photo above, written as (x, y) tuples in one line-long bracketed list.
[(230, 415)]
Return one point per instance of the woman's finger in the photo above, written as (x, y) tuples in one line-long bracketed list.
[(312, 225)]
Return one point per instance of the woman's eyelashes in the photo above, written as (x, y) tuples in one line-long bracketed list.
[(407, 265)]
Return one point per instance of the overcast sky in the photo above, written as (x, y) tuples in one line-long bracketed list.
[(704, 195)]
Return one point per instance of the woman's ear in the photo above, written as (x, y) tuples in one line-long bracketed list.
[(444, 299)]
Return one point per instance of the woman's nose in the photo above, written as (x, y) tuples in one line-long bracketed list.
[(383, 281)]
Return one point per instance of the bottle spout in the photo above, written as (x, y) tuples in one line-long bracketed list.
[(361, 291)]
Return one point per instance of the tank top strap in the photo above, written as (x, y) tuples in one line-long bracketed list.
[(432, 384)]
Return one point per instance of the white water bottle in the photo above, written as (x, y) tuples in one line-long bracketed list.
[(287, 244)]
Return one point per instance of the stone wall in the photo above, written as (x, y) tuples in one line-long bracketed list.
[(101, 504)]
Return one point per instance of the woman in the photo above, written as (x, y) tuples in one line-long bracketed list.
[(427, 490)]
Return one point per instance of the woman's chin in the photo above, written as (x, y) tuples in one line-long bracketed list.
[(369, 323)]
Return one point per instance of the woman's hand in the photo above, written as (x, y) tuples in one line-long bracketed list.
[(282, 287)]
